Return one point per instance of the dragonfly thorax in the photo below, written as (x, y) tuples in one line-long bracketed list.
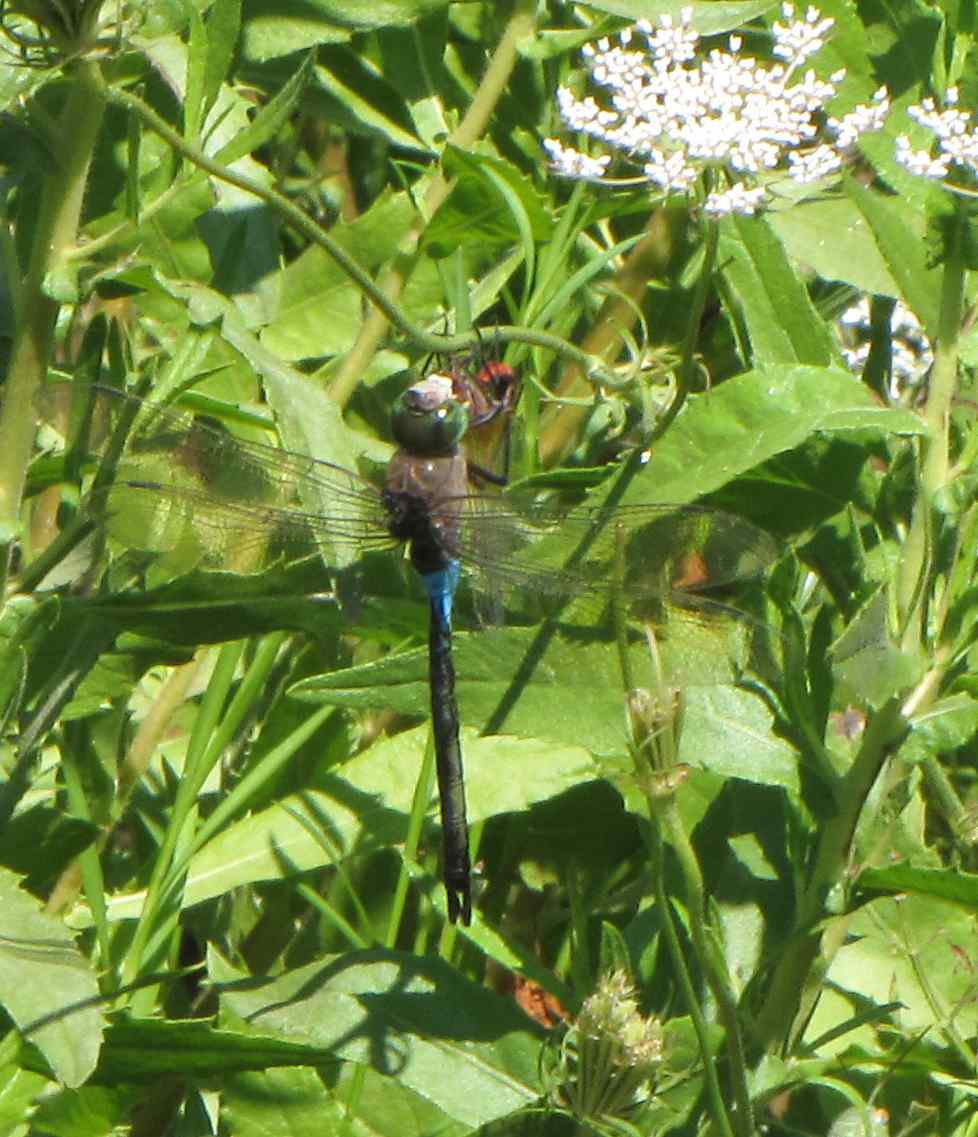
[(424, 498)]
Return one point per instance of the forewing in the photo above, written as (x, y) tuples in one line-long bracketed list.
[(181, 478)]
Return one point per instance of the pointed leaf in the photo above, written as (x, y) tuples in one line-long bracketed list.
[(47, 986)]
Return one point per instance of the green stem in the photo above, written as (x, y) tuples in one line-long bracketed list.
[(654, 843), (709, 958), (935, 462), (55, 231), (656, 722), (308, 228), (494, 84), (793, 973)]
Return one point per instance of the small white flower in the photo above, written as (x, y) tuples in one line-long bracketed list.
[(675, 115), (800, 39), (737, 199), (813, 165), (862, 119), (572, 163), (920, 162), (670, 171), (955, 135)]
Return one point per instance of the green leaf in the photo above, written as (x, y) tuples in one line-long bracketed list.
[(730, 731), (89, 1111), (348, 90), (270, 118), (47, 985), (365, 15), (751, 418), (137, 1049), (782, 322), (223, 26), (462, 1048), (946, 724), (213, 607), (490, 202), (570, 696), (296, 1103), (284, 1103), (707, 17), (907, 950), (18, 621), (835, 239), (904, 252), (40, 842), (171, 241), (868, 665), (319, 309), (19, 1094), (365, 804), (193, 103), (416, 55), (952, 885), (275, 28)]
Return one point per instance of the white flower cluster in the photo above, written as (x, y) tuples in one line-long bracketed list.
[(677, 116), (956, 134)]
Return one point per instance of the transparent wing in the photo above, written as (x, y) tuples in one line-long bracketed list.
[(180, 474), (658, 565), (182, 478), (644, 553)]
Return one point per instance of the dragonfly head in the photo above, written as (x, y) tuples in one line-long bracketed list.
[(427, 420)]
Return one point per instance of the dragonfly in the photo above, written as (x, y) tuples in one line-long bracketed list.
[(508, 542)]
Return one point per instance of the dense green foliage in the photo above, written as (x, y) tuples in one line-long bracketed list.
[(725, 904)]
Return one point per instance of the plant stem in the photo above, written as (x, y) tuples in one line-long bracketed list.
[(793, 972), (620, 311), (654, 843), (709, 958), (473, 125), (935, 462), (308, 228), (56, 228)]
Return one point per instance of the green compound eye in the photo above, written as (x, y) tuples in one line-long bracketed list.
[(427, 420)]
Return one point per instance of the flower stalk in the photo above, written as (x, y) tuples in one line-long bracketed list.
[(55, 232)]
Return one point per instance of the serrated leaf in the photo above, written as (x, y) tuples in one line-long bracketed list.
[(472, 211), (269, 119), (782, 322), (750, 419), (834, 238)]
